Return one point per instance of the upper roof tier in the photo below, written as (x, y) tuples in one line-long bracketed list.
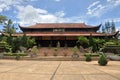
[(59, 25)]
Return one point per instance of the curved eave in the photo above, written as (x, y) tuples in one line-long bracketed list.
[(22, 28), (34, 27), (95, 27)]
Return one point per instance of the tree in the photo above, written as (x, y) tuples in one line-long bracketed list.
[(83, 41), (9, 27), (107, 27), (91, 42), (2, 19), (103, 29), (27, 41), (112, 27)]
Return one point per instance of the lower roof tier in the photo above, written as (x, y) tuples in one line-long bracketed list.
[(62, 34)]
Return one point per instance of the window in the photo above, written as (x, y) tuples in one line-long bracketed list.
[(58, 30)]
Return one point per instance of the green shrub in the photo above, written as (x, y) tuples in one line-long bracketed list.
[(17, 57), (88, 57), (102, 60)]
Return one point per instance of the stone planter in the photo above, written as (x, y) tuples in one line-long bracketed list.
[(75, 56)]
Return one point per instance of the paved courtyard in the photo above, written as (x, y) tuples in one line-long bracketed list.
[(58, 70)]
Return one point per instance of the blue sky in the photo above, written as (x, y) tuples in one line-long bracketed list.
[(91, 12)]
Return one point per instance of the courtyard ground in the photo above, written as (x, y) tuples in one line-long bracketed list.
[(58, 70)]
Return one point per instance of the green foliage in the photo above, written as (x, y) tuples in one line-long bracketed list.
[(9, 27), (75, 49), (34, 50), (109, 27), (102, 60), (75, 54), (112, 46), (2, 19), (91, 41), (15, 42), (88, 57), (55, 53), (83, 41), (95, 43), (27, 41), (55, 49), (4, 46), (24, 41)]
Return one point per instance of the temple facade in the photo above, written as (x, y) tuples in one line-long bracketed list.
[(49, 34)]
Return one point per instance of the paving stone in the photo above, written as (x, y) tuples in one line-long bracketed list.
[(58, 70), (68, 77), (22, 76), (99, 77)]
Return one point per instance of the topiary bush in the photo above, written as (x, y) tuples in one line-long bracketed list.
[(102, 60), (88, 57)]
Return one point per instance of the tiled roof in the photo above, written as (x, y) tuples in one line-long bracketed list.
[(59, 25), (63, 34)]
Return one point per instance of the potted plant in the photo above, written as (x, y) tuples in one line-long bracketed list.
[(55, 52), (34, 51), (75, 54), (102, 60)]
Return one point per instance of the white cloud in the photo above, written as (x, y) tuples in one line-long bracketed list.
[(60, 13), (93, 4), (29, 15), (5, 5), (97, 9)]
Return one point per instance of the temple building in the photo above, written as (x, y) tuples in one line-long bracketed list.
[(47, 34)]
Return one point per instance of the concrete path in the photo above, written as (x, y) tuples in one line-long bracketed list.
[(58, 70)]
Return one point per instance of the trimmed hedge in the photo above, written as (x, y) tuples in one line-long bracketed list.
[(15, 54), (92, 54)]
